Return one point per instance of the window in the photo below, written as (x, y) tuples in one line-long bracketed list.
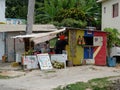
[(104, 9), (88, 40), (115, 10)]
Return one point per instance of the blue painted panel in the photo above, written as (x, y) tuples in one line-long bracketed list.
[(88, 53), (88, 33), (111, 62)]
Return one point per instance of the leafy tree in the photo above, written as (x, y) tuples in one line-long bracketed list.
[(47, 11), (57, 10), (112, 38), (92, 12), (16, 8), (69, 22), (72, 17), (73, 13)]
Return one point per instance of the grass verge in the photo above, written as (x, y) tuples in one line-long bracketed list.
[(94, 84), (4, 77)]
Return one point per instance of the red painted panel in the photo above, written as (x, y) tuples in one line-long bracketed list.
[(100, 58)]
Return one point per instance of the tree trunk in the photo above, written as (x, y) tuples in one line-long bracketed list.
[(30, 16)]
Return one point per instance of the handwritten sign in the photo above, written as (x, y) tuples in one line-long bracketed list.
[(30, 61), (44, 61)]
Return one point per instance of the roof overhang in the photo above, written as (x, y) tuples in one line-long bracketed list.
[(40, 37), (36, 28)]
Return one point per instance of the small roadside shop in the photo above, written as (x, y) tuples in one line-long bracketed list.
[(36, 51), (84, 47), (87, 46)]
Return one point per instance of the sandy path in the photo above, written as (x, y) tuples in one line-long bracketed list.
[(46, 80)]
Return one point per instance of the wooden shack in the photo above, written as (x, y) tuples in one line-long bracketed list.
[(86, 46)]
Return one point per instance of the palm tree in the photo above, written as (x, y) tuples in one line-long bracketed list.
[(47, 11), (92, 11)]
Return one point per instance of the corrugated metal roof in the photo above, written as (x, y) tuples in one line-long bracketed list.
[(11, 28)]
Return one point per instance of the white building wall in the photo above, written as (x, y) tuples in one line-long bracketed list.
[(107, 18), (2, 46), (2, 11)]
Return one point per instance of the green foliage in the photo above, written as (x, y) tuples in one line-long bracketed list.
[(94, 84), (4, 77), (72, 17), (58, 65), (112, 38), (29, 52), (73, 13), (16, 9), (69, 22), (47, 11), (57, 10), (53, 42)]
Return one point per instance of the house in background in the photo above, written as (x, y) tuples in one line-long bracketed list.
[(111, 19), (110, 14), (2, 11)]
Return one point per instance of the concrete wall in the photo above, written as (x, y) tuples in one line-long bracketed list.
[(107, 18), (13, 46), (2, 45), (2, 11)]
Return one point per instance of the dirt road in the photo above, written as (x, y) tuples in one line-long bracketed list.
[(47, 80)]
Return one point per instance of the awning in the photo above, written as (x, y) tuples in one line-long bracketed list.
[(40, 37)]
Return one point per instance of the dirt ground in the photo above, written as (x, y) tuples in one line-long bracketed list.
[(47, 80)]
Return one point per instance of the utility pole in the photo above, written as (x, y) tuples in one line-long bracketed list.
[(30, 16)]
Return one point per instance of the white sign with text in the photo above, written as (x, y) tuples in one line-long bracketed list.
[(31, 61), (44, 61)]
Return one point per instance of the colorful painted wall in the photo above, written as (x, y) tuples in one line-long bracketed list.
[(100, 51), (94, 48), (75, 51)]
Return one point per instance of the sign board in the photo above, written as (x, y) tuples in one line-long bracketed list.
[(30, 61), (59, 58), (98, 41), (44, 61)]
